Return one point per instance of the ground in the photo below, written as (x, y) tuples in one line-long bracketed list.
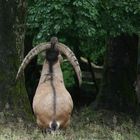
[(86, 124)]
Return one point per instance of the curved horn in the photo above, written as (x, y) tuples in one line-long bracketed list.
[(33, 52), (72, 59)]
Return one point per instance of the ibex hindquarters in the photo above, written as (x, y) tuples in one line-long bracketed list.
[(44, 110), (50, 108)]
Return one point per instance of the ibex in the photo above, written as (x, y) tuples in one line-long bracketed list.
[(52, 103)]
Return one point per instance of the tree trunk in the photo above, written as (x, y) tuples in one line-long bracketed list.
[(137, 82), (13, 97), (138, 69), (120, 68)]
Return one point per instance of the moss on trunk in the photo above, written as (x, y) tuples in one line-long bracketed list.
[(11, 42)]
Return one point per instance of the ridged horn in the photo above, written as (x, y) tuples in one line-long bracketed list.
[(62, 48), (72, 59), (33, 52)]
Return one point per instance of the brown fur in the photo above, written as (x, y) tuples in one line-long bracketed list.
[(43, 99)]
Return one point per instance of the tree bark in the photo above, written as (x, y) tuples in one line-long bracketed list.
[(12, 96), (138, 69), (137, 82), (117, 91)]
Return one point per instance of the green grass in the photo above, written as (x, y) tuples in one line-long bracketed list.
[(85, 125)]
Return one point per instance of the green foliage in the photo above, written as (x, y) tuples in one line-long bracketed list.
[(68, 74), (94, 50), (118, 17), (88, 22), (66, 19), (51, 17)]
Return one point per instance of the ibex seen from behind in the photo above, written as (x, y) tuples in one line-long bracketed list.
[(52, 103)]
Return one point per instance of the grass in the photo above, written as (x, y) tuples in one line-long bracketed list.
[(86, 124)]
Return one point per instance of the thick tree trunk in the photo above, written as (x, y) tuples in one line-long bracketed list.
[(12, 96), (117, 90), (139, 56)]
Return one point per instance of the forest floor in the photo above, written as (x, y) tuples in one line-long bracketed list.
[(86, 124)]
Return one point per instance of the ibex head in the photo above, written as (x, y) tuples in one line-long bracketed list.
[(55, 45)]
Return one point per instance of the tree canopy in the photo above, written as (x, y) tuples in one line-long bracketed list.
[(90, 21)]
